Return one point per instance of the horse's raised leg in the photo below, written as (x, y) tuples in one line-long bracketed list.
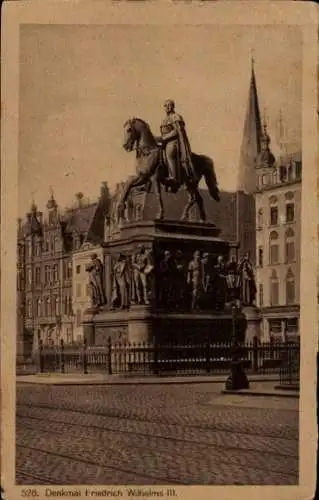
[(200, 204), (158, 193)]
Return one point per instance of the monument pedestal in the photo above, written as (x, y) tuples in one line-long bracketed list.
[(173, 320), (253, 323)]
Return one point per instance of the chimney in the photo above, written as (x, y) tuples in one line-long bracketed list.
[(79, 198)]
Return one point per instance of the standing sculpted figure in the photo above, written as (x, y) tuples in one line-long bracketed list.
[(121, 283), (165, 280), (95, 270), (140, 292), (176, 147), (220, 282), (194, 279), (247, 281)]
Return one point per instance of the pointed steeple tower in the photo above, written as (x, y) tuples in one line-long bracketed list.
[(251, 142)]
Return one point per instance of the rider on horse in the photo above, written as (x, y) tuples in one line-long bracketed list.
[(176, 148)]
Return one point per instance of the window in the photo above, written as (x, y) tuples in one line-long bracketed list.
[(39, 304), (70, 309), (273, 216), (273, 248), (46, 274), (260, 218), (49, 311), (78, 318), (290, 287), (29, 308), (78, 290), (292, 325), (57, 306), (298, 169), (275, 325), (88, 290), (38, 249), (289, 245), (66, 302), (261, 295), (37, 275), (290, 212), (69, 272), (55, 272), (46, 246), (78, 269), (260, 257), (29, 276), (274, 289)]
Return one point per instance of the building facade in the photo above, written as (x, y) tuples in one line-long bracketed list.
[(45, 289), (275, 186), (278, 212)]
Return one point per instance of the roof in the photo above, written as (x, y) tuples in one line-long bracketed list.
[(79, 219)]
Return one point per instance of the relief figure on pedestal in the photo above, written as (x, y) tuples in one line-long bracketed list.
[(149, 275), (194, 280), (180, 282), (121, 283), (95, 271), (220, 285), (247, 281), (165, 280), (207, 278), (139, 288)]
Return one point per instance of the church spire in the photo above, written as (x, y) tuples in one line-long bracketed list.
[(251, 141)]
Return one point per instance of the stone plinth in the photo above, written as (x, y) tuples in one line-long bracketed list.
[(253, 322), (175, 321)]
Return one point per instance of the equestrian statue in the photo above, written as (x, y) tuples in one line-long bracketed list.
[(167, 161)]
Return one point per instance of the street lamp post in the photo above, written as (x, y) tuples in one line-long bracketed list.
[(237, 379)]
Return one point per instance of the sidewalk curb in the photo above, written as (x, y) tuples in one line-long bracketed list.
[(158, 381), (264, 394)]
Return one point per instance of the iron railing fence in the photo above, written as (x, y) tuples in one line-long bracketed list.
[(164, 359), (289, 373)]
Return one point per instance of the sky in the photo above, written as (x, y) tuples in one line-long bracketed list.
[(80, 83)]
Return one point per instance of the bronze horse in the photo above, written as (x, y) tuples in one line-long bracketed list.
[(151, 167)]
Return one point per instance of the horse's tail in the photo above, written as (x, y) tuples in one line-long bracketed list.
[(208, 171)]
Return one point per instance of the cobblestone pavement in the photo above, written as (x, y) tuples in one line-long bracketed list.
[(174, 434)]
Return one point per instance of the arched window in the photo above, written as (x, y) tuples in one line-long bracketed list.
[(273, 215), (273, 248), (289, 245), (290, 288), (274, 289)]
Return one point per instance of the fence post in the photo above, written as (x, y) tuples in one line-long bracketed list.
[(85, 359), (62, 355), (41, 356), (207, 349), (109, 356), (155, 350), (255, 354)]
